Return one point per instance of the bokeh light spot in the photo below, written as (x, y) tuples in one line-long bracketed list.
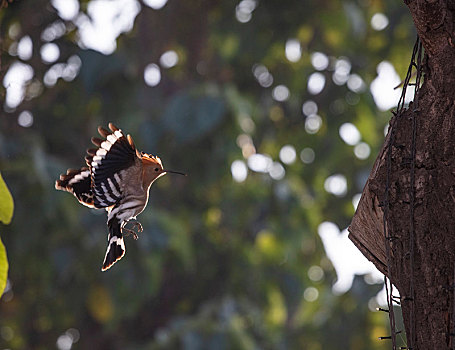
[(315, 273), (346, 258), (67, 9), (259, 163), (64, 342), (152, 75), (362, 150), (169, 59), (342, 70), (243, 140), (307, 155), (280, 93), (316, 83), (263, 76), (309, 107), (288, 154), (104, 22), (74, 334), (311, 294), (350, 134), (313, 123), (239, 171), (379, 21), (355, 83), (25, 119), (17, 76), (14, 30), (247, 124), (293, 50), (25, 48), (319, 60), (155, 4), (72, 68), (244, 10), (336, 185), (383, 87), (277, 171), (50, 52), (53, 31)]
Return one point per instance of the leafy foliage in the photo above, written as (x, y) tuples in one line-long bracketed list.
[(3, 267), (6, 203), (6, 214), (222, 263)]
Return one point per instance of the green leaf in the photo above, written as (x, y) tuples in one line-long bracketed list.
[(6, 203), (3, 268)]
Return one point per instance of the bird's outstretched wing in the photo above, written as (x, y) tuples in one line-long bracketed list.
[(114, 154), (79, 183)]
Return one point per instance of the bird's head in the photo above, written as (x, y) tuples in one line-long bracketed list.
[(153, 168)]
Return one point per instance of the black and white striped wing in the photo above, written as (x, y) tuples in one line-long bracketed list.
[(79, 183), (113, 155)]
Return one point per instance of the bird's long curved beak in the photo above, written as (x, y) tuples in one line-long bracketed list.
[(173, 172)]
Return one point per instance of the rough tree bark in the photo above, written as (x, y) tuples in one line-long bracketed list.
[(429, 316)]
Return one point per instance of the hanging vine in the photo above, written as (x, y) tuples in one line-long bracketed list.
[(415, 64)]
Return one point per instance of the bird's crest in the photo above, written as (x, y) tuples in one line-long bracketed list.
[(148, 159)]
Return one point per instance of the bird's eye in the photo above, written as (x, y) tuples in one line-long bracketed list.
[(156, 169)]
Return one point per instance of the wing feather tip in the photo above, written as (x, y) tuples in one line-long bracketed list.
[(103, 132), (91, 151), (96, 141), (112, 127), (131, 141)]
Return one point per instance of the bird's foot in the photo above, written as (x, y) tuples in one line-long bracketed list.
[(127, 231), (136, 225)]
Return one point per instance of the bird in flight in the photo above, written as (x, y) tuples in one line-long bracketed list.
[(117, 178)]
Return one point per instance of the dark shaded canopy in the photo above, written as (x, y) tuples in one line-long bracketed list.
[(221, 263)]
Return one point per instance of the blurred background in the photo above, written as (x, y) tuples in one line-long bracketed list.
[(275, 110)]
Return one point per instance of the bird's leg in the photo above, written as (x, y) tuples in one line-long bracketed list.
[(137, 225)]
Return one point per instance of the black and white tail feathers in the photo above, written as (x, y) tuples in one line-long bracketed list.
[(115, 247)]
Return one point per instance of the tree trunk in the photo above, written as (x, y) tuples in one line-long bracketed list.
[(422, 243)]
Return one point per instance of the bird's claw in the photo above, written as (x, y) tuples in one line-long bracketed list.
[(127, 231), (136, 225)]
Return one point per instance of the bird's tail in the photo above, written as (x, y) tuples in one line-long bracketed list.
[(115, 247)]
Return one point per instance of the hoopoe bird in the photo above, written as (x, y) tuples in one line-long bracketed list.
[(117, 178)]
